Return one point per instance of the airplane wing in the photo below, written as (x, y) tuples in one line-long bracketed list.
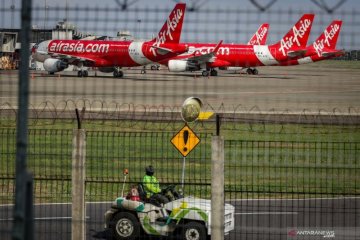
[(166, 48), (208, 57), (330, 53), (71, 59), (163, 50), (296, 53)]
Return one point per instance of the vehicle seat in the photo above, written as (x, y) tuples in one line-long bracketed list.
[(144, 198), (142, 193)]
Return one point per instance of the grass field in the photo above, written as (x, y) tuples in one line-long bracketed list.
[(270, 160)]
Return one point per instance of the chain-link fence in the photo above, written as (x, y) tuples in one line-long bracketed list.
[(292, 137), (266, 180)]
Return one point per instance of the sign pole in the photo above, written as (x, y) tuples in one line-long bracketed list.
[(186, 140), (183, 175)]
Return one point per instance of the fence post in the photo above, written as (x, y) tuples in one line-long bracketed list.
[(23, 223), (217, 188), (78, 185)]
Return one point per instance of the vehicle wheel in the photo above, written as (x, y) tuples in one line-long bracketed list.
[(205, 73), (193, 231), (213, 73), (125, 226), (120, 74), (153, 67), (249, 71), (80, 73), (255, 71), (116, 73), (85, 73), (158, 67)]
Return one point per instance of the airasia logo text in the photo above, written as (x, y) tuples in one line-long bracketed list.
[(329, 34), (171, 25), (206, 50), (259, 36), (288, 42), (79, 47)]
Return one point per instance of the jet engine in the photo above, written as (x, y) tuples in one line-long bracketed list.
[(54, 65), (181, 66)]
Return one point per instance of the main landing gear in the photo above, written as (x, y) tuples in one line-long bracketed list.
[(212, 72), (118, 73), (83, 73), (252, 71), (155, 67)]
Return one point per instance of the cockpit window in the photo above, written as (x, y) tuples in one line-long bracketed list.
[(43, 46)]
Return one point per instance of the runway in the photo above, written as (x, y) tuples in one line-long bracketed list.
[(330, 86), (254, 219)]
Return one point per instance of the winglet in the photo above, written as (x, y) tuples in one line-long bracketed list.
[(216, 49), (260, 36), (208, 57), (209, 54)]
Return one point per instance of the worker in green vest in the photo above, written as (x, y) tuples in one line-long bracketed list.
[(152, 187)]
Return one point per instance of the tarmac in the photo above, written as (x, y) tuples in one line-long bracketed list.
[(326, 87)]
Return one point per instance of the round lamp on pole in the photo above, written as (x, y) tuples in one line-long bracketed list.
[(190, 109)]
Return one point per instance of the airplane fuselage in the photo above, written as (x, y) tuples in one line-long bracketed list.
[(112, 53), (237, 55)]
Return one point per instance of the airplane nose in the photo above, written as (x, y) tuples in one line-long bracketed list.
[(42, 47)]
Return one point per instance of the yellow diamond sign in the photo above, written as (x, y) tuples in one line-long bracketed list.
[(185, 140)]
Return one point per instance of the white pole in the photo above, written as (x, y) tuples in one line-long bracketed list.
[(78, 185), (183, 175), (217, 188), (122, 191)]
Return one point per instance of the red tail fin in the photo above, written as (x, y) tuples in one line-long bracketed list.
[(328, 38), (259, 38), (171, 30), (298, 35)]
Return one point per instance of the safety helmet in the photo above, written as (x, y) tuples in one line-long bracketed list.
[(149, 170)]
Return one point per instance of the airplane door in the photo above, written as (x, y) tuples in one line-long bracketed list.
[(137, 50)]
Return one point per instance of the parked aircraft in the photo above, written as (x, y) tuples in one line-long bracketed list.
[(259, 38), (110, 56), (323, 48), (291, 46)]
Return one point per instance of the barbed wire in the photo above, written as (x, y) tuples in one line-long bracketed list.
[(167, 118)]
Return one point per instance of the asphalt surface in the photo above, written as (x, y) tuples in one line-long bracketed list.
[(325, 86), (254, 219)]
